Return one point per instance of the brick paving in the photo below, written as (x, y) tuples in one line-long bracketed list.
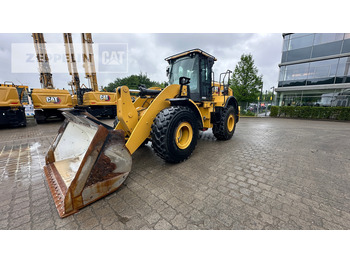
[(273, 174)]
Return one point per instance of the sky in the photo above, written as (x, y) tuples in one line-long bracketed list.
[(140, 52)]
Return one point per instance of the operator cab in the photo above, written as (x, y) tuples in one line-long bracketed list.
[(196, 65)]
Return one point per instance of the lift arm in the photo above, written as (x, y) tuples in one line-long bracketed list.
[(89, 61), (43, 60)]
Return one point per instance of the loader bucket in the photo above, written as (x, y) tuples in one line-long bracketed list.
[(86, 161)]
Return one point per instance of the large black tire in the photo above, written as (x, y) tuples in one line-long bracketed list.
[(225, 127), (40, 117), (174, 133)]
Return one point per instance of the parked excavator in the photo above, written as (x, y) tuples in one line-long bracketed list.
[(89, 159), (97, 103), (12, 100), (48, 100)]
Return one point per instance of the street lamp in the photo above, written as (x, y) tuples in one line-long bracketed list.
[(266, 102), (273, 92), (259, 100)]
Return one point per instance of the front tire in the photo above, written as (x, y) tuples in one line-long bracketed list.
[(174, 133)]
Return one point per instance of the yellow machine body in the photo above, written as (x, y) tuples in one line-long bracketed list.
[(51, 99), (12, 99), (9, 96), (98, 98)]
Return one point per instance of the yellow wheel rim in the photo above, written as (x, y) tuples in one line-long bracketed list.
[(183, 135), (230, 123)]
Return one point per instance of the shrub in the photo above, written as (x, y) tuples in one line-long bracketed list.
[(307, 112), (344, 114), (274, 111), (247, 113)]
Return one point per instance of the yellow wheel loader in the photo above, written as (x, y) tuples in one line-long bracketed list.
[(89, 159)]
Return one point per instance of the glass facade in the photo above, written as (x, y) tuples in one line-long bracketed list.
[(330, 71), (310, 60), (305, 46), (326, 97)]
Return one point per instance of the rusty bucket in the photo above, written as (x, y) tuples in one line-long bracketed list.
[(86, 161)]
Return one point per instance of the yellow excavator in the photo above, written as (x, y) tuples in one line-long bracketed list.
[(89, 159), (48, 100), (12, 100), (96, 102)]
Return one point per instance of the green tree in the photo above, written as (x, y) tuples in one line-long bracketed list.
[(246, 83), (133, 81)]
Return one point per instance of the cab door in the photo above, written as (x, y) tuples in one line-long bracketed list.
[(205, 78)]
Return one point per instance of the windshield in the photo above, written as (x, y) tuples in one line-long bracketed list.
[(185, 67), (22, 94)]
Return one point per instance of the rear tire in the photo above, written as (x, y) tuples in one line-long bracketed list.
[(174, 133), (225, 127)]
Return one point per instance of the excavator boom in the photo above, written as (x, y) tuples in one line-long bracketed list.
[(43, 60), (72, 65), (89, 60)]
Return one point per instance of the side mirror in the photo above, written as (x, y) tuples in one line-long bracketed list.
[(183, 81), (167, 71)]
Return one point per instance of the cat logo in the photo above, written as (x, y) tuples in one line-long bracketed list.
[(113, 57), (105, 97), (53, 99)]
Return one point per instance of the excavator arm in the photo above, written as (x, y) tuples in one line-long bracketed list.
[(89, 60), (72, 65), (43, 60)]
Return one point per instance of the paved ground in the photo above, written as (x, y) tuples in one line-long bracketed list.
[(273, 174)]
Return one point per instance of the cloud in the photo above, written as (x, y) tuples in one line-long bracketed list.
[(146, 53)]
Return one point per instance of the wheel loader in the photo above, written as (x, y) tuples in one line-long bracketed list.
[(89, 159)]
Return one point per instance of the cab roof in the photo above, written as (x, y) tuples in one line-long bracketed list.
[(197, 50)]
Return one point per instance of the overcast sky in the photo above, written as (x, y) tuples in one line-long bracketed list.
[(146, 53)]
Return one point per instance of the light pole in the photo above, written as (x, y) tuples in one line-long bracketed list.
[(259, 100), (273, 92), (266, 102)]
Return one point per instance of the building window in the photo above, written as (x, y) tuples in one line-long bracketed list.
[(296, 72), (298, 54), (343, 71), (328, 97), (305, 40), (326, 68), (327, 38), (346, 46), (327, 49), (319, 72)]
